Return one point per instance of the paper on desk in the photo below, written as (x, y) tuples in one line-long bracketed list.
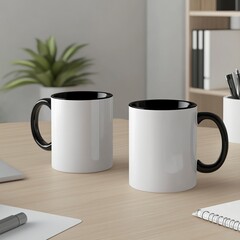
[(8, 173), (39, 226)]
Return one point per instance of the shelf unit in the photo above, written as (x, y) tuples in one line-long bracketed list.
[(201, 14)]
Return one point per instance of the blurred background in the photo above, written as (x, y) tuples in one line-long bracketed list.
[(137, 47)]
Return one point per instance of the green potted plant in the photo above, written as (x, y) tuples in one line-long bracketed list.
[(47, 69)]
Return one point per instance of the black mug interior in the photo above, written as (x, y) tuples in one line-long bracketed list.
[(162, 104), (81, 95)]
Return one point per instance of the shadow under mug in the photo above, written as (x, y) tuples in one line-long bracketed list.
[(81, 130), (162, 145)]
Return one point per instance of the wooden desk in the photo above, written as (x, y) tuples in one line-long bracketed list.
[(109, 208)]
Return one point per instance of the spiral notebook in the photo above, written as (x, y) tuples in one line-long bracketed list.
[(225, 214)]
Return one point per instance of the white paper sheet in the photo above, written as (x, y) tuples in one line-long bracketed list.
[(39, 226), (9, 173)]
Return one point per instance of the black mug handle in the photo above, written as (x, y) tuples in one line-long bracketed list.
[(207, 168), (35, 126)]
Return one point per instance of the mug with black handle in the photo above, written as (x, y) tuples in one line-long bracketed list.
[(162, 145), (81, 130)]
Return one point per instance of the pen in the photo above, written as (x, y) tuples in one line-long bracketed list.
[(231, 85), (237, 81), (12, 222), (238, 73)]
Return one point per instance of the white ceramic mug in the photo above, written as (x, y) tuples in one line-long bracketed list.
[(81, 130), (231, 118), (162, 145)]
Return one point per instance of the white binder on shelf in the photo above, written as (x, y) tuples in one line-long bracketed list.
[(221, 56)]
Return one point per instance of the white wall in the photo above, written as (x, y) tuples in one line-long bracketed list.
[(114, 29), (165, 48)]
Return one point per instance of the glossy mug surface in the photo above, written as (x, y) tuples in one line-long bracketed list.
[(162, 145), (231, 118), (81, 130)]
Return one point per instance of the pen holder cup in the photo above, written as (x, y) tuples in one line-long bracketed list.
[(231, 118)]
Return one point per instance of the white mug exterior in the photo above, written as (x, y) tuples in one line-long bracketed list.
[(162, 149), (81, 135), (231, 118)]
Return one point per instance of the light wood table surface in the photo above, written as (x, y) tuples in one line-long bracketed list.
[(108, 206)]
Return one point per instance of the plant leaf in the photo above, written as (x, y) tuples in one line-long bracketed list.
[(52, 47), (19, 72), (43, 68), (25, 63), (38, 59), (42, 48), (68, 77), (78, 64), (63, 77), (45, 78), (77, 82), (57, 67), (18, 82), (72, 70), (70, 51), (77, 79)]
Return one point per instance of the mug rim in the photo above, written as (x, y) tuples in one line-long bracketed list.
[(169, 104), (81, 95), (230, 97)]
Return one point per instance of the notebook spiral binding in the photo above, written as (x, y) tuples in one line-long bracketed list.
[(220, 220)]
